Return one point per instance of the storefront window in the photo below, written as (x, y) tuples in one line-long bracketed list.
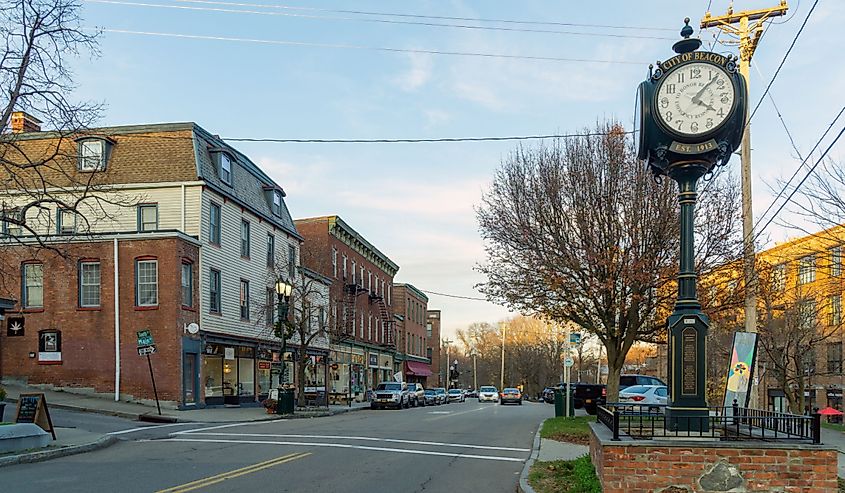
[(230, 377), (212, 372), (264, 378), (246, 377)]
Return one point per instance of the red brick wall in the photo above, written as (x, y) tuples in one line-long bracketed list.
[(87, 344), (633, 469)]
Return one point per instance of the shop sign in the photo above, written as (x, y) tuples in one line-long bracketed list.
[(229, 353), (263, 365), (373, 360)]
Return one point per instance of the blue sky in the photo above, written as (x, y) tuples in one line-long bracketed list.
[(415, 201)]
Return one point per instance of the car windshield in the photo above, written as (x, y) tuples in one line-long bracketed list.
[(389, 386), (488, 389), (429, 392), (455, 391), (637, 389), (511, 391)]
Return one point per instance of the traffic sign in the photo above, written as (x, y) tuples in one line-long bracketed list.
[(146, 350), (145, 338), (575, 338), (568, 362)]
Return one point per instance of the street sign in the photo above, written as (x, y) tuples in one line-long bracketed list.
[(145, 338), (568, 362), (575, 338), (146, 350)]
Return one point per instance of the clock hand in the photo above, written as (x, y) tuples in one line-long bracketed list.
[(701, 91)]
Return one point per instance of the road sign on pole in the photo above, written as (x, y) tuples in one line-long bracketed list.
[(574, 338), (568, 362)]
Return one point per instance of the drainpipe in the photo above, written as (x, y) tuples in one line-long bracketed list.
[(116, 325)]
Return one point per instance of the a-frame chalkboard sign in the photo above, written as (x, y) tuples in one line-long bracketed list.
[(32, 408)]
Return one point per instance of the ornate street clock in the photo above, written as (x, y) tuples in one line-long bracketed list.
[(691, 106)]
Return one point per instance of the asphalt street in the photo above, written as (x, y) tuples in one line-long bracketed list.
[(455, 447)]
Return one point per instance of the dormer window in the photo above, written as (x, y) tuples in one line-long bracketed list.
[(225, 168), (92, 154), (277, 202)]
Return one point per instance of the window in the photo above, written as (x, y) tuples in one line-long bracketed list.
[(214, 224), (369, 327), (779, 277), (353, 272), (89, 284), (271, 250), (33, 286), (214, 291), (148, 217), (834, 357), (835, 309), (428, 329), (806, 314), (389, 286), (345, 258), (50, 346), (245, 239), (187, 284), (225, 168), (382, 288), (362, 325), (92, 155), (146, 282), (807, 269), (361, 278), (10, 228), (836, 261), (369, 281), (244, 300), (334, 262), (291, 261), (65, 222), (277, 202)]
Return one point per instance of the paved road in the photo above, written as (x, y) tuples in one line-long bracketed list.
[(456, 447)]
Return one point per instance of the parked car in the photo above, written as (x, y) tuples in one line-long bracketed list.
[(432, 398), (510, 395), (488, 393), (472, 393), (456, 395), (629, 380), (390, 394), (442, 393), (416, 394), (641, 395), (589, 396)]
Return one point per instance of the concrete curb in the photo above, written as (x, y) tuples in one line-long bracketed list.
[(43, 455), (523, 486)]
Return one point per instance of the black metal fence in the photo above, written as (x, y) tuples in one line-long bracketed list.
[(735, 423)]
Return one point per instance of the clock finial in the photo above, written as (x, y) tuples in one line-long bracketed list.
[(687, 44)]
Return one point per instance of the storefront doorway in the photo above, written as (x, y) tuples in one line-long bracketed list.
[(228, 374)]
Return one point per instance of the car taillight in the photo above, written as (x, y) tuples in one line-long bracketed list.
[(637, 398), (604, 392)]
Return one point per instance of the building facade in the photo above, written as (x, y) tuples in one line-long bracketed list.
[(361, 296), (412, 341), (432, 334), (154, 181)]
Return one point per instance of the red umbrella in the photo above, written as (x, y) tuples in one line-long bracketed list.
[(829, 411)]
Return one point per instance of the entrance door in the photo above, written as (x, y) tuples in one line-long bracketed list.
[(189, 379)]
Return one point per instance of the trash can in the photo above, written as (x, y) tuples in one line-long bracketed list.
[(560, 404), (285, 403)]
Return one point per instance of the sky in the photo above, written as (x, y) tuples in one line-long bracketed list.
[(260, 69)]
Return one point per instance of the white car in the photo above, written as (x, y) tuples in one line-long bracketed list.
[(488, 393), (455, 395), (645, 395)]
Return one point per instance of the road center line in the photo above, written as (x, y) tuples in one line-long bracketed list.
[(372, 439), (142, 428), (201, 483), (343, 445)]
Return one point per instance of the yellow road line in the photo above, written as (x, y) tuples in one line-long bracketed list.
[(200, 483)]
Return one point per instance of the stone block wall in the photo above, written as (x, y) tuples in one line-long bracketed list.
[(634, 466)]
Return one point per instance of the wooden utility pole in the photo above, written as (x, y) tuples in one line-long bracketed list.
[(748, 27)]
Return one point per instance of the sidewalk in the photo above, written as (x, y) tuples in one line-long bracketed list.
[(137, 411), (545, 450), (68, 441)]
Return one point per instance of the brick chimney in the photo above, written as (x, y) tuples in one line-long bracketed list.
[(24, 122)]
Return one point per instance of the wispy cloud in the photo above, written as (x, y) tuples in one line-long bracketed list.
[(418, 74)]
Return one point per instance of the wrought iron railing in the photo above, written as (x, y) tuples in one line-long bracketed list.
[(732, 423)]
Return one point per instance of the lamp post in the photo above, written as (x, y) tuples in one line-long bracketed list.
[(474, 353), (283, 292)]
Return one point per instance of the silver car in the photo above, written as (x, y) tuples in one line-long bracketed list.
[(488, 393), (390, 394)]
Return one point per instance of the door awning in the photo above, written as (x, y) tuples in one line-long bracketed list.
[(417, 369)]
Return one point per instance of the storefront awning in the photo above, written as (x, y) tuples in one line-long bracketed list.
[(417, 369)]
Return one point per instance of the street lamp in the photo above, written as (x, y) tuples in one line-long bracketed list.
[(474, 353), (283, 292)]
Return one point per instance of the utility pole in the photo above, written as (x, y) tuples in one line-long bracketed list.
[(749, 31), (502, 380), (447, 343), (474, 370)]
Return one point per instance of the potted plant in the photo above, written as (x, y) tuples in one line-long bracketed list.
[(269, 405)]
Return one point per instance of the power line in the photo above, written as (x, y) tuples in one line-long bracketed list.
[(438, 17), (457, 296), (370, 48), (440, 139), (379, 21)]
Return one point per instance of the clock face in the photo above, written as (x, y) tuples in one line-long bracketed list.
[(695, 98)]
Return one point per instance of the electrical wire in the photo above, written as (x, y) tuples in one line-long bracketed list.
[(437, 17), (379, 21), (369, 48), (471, 298), (406, 141)]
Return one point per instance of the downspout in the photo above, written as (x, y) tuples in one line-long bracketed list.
[(116, 325)]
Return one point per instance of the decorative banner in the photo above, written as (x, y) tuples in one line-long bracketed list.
[(740, 371), (15, 327)]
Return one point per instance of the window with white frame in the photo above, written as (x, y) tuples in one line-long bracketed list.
[(11, 228), (244, 299), (147, 217), (361, 277), (362, 325), (369, 327), (33, 286), (277, 203), (354, 270), (291, 261), (271, 250), (65, 222), (214, 229), (91, 155), (807, 269), (89, 284), (245, 238), (345, 259), (369, 280), (836, 261), (334, 262), (225, 168), (779, 277), (146, 282), (187, 284)]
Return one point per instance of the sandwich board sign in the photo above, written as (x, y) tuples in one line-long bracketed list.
[(32, 408)]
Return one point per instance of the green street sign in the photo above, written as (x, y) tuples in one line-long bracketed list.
[(145, 338)]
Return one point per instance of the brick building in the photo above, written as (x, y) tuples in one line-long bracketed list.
[(412, 339), (229, 223), (361, 296), (432, 334)]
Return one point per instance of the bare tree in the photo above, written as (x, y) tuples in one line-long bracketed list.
[(581, 232)]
